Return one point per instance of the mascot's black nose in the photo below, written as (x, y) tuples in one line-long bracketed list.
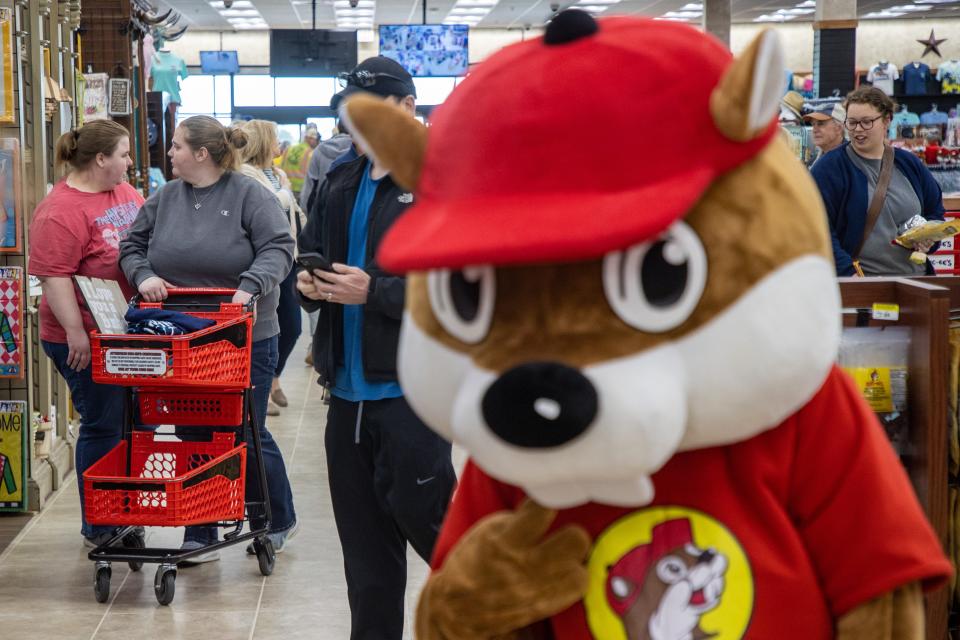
[(540, 404)]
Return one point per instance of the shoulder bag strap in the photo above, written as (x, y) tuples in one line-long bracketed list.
[(879, 195)]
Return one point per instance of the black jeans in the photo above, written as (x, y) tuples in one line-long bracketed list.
[(390, 482)]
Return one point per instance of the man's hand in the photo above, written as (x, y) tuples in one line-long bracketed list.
[(345, 285), (307, 285), (923, 246), (154, 289), (78, 343)]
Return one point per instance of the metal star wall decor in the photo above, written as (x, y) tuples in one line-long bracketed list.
[(931, 44)]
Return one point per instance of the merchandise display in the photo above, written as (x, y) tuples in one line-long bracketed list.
[(948, 74), (166, 71), (903, 123), (644, 489), (882, 75), (915, 77)]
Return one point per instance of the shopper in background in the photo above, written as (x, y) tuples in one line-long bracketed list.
[(258, 154), (76, 230), (848, 178), (296, 159), (320, 162), (827, 122), (390, 476), (215, 227)]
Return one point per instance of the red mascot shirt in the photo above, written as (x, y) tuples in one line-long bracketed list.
[(773, 537)]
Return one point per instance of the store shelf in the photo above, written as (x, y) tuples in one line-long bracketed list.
[(925, 305)]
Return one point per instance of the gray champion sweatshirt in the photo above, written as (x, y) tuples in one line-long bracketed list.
[(238, 238)]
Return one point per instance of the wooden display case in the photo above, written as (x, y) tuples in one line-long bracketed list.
[(925, 305)]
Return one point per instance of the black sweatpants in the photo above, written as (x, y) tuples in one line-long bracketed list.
[(390, 482)]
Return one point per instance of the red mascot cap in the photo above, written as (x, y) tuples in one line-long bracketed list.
[(568, 146), (635, 565)]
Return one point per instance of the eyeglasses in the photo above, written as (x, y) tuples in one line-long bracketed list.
[(865, 124), (363, 78)]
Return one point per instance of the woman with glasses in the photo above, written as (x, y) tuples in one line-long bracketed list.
[(848, 178)]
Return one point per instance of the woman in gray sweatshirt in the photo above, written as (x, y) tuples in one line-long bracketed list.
[(214, 227)]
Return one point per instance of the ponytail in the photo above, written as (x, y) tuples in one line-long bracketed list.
[(77, 148), (222, 143)]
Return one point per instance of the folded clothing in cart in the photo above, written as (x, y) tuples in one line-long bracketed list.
[(163, 322)]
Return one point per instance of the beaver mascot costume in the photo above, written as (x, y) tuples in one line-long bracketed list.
[(622, 304)]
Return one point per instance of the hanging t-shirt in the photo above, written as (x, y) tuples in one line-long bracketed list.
[(788, 529), (166, 71), (903, 123), (78, 233), (915, 76), (933, 117), (882, 76), (949, 76)]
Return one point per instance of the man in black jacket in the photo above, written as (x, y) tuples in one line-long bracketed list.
[(390, 475)]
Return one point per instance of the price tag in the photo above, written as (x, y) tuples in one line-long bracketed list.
[(882, 311), (136, 361)]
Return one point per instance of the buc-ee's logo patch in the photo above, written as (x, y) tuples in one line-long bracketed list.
[(668, 573)]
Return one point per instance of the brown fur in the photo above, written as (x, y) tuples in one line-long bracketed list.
[(753, 220), (729, 102), (893, 616), (400, 140)]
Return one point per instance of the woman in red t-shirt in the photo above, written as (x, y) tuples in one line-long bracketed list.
[(76, 230)]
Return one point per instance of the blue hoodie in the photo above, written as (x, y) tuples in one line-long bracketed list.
[(844, 190)]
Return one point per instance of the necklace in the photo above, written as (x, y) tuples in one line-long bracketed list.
[(199, 203)]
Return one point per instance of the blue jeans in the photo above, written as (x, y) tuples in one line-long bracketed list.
[(262, 366), (288, 314), (101, 419)]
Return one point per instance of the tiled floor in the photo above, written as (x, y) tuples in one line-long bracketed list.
[(46, 580)]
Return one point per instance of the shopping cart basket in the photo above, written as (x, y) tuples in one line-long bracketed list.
[(198, 379)]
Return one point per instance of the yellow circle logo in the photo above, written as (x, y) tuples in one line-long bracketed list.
[(668, 573)]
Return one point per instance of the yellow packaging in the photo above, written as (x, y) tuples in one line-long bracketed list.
[(934, 230), (884, 388)]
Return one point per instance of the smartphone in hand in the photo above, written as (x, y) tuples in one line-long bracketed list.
[(311, 261)]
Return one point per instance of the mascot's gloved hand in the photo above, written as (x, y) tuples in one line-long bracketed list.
[(897, 615), (503, 576)]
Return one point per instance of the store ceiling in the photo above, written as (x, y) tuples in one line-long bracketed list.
[(289, 14)]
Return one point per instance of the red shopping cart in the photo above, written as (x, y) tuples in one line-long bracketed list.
[(197, 379)]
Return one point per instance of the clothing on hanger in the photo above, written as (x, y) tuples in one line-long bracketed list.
[(882, 76), (166, 70), (934, 116), (915, 76), (903, 124), (949, 76)]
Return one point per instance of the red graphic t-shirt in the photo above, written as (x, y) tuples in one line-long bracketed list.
[(78, 233), (773, 537)]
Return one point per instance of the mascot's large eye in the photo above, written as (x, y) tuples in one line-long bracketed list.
[(655, 286), (671, 570), (463, 301)]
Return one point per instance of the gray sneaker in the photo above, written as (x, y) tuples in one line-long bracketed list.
[(279, 539), (189, 545)]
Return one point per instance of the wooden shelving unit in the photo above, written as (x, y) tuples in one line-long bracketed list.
[(925, 305)]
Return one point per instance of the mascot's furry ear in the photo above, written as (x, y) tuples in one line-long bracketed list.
[(748, 96), (392, 137)]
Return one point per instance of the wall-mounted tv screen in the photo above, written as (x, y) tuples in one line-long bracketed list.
[(219, 62), (311, 52), (427, 49)]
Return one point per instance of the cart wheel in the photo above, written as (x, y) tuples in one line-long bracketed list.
[(163, 585), (135, 540), (101, 585), (266, 556)]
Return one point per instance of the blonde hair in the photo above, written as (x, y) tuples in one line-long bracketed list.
[(261, 142), (222, 143), (79, 147)]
